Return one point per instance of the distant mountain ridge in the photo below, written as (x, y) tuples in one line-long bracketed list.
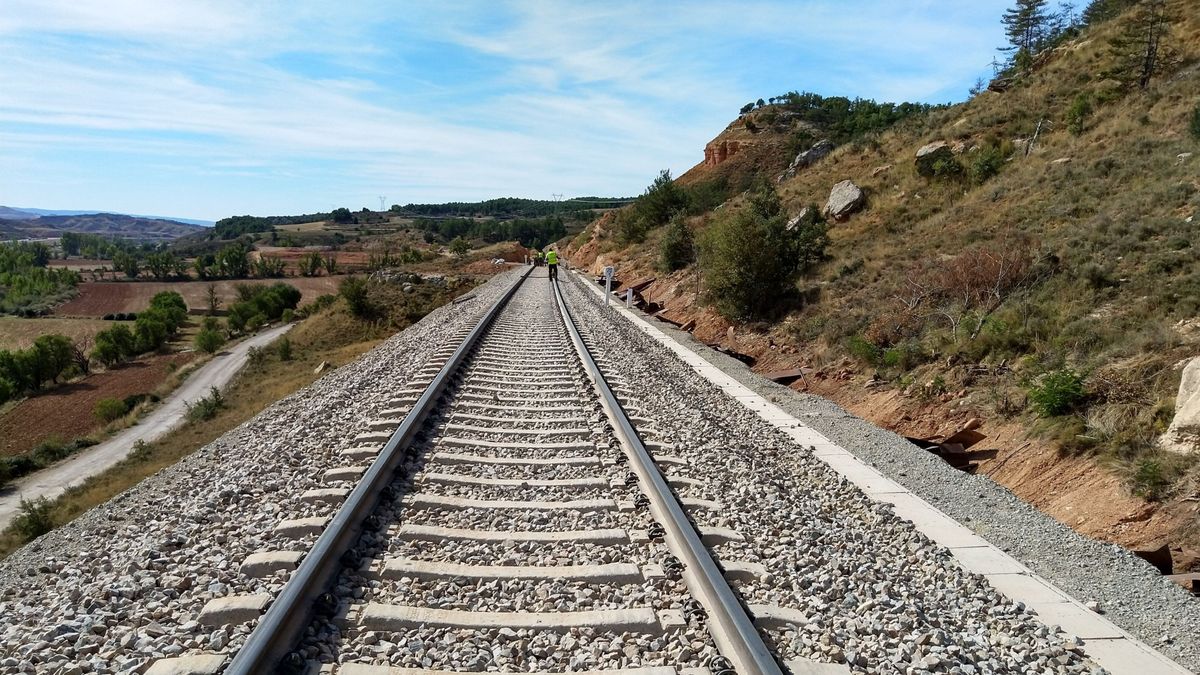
[(21, 213), (30, 224)]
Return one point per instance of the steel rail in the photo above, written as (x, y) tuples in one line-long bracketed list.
[(730, 623), (280, 629)]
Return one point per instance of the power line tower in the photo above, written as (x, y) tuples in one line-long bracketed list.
[(382, 199), (557, 198)]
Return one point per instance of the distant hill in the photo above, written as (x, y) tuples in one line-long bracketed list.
[(20, 213), (107, 224)]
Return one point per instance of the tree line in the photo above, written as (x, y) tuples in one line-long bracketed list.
[(842, 119), (27, 285), (530, 232)]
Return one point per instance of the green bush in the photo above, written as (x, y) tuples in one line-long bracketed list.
[(284, 349), (1150, 479), (1057, 393), (678, 249), (751, 257), (260, 304), (207, 407), (864, 350), (35, 519), (110, 409), (1194, 124), (209, 341), (355, 292), (1078, 112), (986, 163)]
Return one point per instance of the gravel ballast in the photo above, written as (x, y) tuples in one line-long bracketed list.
[(1130, 592)]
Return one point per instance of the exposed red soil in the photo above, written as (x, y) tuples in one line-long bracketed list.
[(97, 298), (66, 412)]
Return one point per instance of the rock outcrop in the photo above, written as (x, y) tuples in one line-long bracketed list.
[(1183, 436), (719, 151), (844, 199), (929, 155), (819, 150)]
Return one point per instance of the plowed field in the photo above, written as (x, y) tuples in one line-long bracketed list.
[(66, 412)]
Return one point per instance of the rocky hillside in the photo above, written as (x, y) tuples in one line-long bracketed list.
[(1024, 264)]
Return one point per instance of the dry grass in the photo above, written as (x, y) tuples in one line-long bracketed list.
[(17, 333)]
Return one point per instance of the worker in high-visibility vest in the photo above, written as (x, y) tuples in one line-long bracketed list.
[(552, 263)]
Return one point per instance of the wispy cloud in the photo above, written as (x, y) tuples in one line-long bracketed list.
[(273, 106)]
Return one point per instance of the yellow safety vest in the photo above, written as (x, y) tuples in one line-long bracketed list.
[(551, 258)]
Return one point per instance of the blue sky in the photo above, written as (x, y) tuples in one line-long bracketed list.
[(206, 109)]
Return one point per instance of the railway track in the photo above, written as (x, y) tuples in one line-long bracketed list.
[(513, 515)]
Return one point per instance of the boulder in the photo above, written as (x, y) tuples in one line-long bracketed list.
[(1183, 436), (806, 214), (844, 199), (809, 157), (931, 154)]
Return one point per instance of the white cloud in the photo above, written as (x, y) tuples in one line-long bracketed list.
[(440, 101)]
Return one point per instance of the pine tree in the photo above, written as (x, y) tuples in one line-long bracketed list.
[(1139, 50), (1025, 27)]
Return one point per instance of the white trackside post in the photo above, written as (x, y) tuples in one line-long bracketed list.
[(608, 277), (629, 297)]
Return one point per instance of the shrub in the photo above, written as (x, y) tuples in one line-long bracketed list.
[(678, 248), (1078, 112), (1057, 393), (864, 350), (354, 290), (260, 304), (209, 341), (35, 518), (986, 164), (1194, 124), (207, 407), (256, 356), (1150, 479), (284, 349), (288, 316), (460, 247), (751, 257), (110, 409), (52, 450)]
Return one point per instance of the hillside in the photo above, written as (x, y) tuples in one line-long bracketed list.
[(106, 224), (1050, 237)]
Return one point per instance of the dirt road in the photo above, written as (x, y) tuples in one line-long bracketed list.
[(55, 480)]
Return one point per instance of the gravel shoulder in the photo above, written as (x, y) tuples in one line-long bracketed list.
[(1132, 594)]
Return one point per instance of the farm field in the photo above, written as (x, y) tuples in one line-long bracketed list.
[(97, 298), (18, 333), (66, 412)]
